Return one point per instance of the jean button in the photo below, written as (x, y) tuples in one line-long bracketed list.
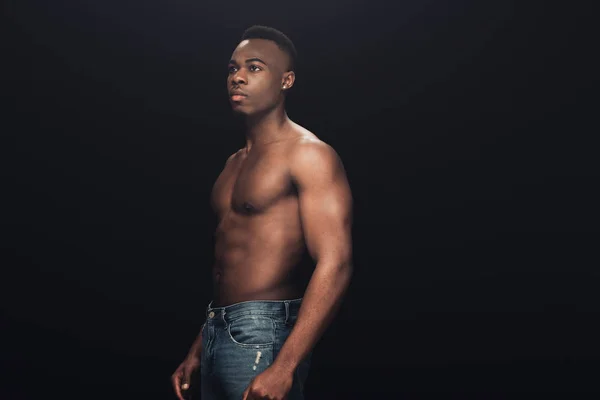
[(211, 314)]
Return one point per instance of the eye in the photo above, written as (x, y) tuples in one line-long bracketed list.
[(231, 69), (255, 68)]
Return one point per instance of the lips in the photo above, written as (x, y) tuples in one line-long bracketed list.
[(237, 95)]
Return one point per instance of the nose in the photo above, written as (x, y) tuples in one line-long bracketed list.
[(239, 78)]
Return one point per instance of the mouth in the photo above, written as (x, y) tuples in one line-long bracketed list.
[(237, 97)]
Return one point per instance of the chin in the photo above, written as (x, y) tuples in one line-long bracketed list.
[(240, 111), (248, 112)]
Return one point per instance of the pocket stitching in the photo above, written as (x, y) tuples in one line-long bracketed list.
[(246, 345)]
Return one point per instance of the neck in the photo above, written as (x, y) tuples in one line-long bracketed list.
[(266, 127)]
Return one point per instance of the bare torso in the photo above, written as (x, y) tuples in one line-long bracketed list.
[(260, 252)]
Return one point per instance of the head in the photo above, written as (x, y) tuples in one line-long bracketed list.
[(262, 68)]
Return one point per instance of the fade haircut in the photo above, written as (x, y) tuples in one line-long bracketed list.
[(282, 41)]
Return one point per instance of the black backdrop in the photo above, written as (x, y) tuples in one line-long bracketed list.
[(463, 130)]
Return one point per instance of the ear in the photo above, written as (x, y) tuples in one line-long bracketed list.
[(288, 80)]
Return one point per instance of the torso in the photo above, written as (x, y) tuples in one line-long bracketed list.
[(260, 252)]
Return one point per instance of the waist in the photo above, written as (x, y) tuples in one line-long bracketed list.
[(278, 309)]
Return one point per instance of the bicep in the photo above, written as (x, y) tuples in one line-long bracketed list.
[(326, 209)]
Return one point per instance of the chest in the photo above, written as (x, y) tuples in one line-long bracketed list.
[(251, 184)]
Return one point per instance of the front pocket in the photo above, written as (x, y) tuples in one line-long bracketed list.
[(255, 331)]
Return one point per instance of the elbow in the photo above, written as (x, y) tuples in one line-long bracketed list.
[(337, 271), (348, 267), (346, 271)]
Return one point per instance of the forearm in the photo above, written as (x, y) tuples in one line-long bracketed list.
[(196, 347), (320, 304)]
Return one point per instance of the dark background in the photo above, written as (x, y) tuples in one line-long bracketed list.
[(467, 143)]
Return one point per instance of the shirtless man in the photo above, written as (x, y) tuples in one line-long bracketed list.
[(280, 198)]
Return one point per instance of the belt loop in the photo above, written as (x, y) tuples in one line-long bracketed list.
[(287, 310), (223, 316)]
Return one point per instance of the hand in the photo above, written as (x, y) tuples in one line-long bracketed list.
[(274, 383), (181, 376)]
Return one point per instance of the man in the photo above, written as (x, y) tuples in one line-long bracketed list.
[(282, 196)]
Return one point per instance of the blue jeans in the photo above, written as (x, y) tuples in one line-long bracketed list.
[(240, 341)]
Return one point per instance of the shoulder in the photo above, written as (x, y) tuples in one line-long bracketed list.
[(311, 152), (311, 160)]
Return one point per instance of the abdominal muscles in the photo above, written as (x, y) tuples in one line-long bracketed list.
[(258, 256)]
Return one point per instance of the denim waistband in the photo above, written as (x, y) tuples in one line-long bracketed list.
[(274, 308)]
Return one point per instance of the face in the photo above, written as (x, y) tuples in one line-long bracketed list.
[(258, 76)]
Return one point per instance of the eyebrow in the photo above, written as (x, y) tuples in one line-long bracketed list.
[(249, 60)]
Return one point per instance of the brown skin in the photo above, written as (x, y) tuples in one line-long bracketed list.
[(282, 196)]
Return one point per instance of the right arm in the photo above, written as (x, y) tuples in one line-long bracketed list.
[(196, 348), (181, 377)]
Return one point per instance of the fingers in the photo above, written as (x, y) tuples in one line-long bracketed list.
[(177, 384), (245, 395), (187, 374)]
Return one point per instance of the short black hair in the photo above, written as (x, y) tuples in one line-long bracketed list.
[(282, 41)]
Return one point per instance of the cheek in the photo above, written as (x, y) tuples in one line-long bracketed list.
[(272, 89), (265, 84)]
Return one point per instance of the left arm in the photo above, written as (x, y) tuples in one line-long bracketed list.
[(326, 214)]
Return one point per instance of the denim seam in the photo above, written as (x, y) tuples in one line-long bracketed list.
[(250, 346)]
